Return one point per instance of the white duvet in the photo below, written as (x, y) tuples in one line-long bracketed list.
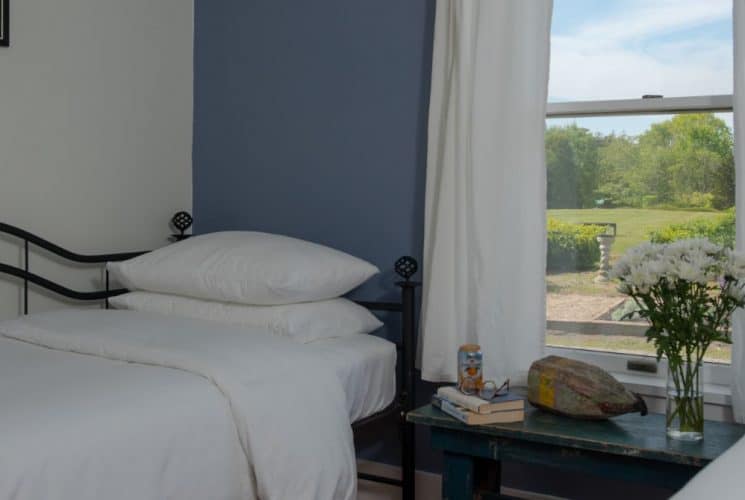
[(721, 480), (160, 407)]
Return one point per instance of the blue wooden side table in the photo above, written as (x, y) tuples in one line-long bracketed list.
[(629, 447)]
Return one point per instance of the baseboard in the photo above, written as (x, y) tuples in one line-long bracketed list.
[(429, 485)]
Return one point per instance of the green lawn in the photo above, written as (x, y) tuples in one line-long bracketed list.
[(717, 353), (633, 224)]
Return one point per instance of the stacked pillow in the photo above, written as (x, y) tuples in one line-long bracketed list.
[(290, 286)]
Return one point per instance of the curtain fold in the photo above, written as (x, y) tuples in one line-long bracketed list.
[(738, 324), (485, 203)]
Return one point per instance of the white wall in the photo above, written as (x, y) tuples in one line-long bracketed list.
[(95, 129)]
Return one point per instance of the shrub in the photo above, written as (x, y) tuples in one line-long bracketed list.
[(572, 247), (719, 230), (696, 200)]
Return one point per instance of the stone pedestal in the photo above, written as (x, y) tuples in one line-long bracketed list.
[(605, 242)]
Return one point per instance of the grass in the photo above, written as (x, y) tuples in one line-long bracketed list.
[(717, 352), (580, 283), (632, 224)]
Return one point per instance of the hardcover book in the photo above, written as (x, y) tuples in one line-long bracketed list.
[(471, 418), (506, 402)]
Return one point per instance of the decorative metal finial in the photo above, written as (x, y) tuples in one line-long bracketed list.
[(406, 267), (181, 221)]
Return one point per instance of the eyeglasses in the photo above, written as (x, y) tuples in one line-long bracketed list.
[(489, 390)]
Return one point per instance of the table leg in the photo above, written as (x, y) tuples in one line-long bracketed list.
[(457, 477), (488, 477)]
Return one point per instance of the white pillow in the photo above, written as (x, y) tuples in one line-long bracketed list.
[(304, 322), (245, 267)]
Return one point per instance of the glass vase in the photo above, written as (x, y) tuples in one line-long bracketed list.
[(685, 401)]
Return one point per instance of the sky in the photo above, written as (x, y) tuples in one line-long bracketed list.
[(622, 49)]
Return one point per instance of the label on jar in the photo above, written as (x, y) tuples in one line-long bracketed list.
[(470, 376)]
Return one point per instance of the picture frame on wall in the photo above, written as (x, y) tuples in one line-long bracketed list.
[(4, 23)]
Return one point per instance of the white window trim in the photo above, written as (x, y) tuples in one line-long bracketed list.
[(644, 106), (717, 376)]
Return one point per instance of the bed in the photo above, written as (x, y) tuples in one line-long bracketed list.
[(719, 480), (125, 404)]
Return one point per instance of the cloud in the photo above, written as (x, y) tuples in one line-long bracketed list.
[(644, 19), (644, 49)]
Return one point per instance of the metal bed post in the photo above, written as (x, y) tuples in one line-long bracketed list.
[(408, 396), (406, 267)]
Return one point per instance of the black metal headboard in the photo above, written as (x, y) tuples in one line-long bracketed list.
[(28, 277), (181, 221)]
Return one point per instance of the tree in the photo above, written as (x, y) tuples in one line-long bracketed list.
[(619, 184), (690, 156), (686, 161), (572, 166)]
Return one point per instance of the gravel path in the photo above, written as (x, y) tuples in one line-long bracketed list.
[(575, 307)]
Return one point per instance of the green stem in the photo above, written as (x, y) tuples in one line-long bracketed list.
[(687, 399)]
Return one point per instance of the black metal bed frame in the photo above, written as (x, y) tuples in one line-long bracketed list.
[(405, 267)]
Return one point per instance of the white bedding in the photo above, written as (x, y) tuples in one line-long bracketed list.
[(145, 440), (721, 480), (366, 366), (216, 413)]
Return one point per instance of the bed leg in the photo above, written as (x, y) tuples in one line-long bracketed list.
[(408, 452)]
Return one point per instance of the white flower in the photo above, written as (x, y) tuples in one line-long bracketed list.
[(693, 246), (734, 265), (693, 260), (686, 271), (655, 274), (633, 258), (737, 292)]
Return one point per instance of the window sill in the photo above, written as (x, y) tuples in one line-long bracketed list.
[(714, 394), (717, 395)]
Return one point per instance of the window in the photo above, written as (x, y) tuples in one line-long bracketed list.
[(638, 147)]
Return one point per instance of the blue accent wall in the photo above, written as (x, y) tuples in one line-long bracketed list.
[(310, 121)]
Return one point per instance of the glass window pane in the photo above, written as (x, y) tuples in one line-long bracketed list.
[(641, 177), (623, 49)]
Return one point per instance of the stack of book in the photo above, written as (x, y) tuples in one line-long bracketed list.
[(472, 410)]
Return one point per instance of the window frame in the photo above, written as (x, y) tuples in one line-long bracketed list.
[(717, 376), (652, 105)]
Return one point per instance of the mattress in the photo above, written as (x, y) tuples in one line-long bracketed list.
[(366, 365)]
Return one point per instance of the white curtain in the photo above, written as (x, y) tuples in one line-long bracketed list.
[(485, 238), (738, 327)]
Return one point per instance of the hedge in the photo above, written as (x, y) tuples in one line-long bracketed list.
[(572, 247), (719, 230)]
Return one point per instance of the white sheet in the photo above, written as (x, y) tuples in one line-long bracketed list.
[(287, 405), (80, 427), (366, 367), (721, 480)]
